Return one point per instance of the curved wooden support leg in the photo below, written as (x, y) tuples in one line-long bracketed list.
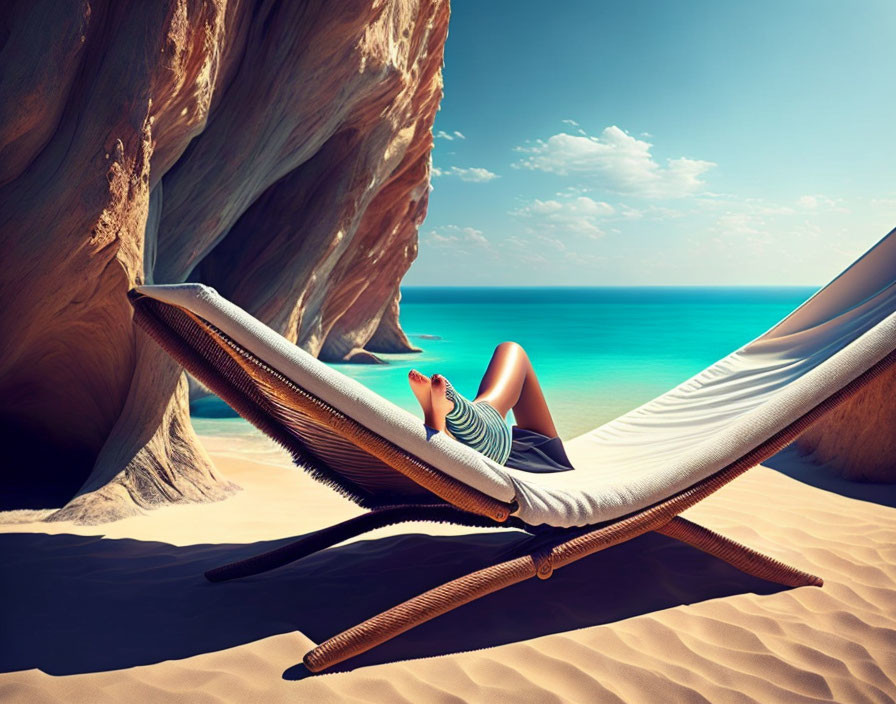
[(422, 608), (567, 548), (740, 556), (442, 599), (327, 537)]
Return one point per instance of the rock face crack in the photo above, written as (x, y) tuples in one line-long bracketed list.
[(292, 147)]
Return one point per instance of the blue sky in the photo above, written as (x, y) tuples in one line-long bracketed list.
[(668, 143)]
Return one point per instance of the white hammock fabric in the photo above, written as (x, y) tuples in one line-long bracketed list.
[(654, 451)]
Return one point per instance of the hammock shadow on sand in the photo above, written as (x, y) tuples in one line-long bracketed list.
[(77, 604)]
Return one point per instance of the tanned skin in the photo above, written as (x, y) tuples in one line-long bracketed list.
[(509, 383)]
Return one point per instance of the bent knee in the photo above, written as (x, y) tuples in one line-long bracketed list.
[(510, 346)]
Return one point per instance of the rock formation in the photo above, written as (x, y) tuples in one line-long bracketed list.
[(856, 440), (277, 151)]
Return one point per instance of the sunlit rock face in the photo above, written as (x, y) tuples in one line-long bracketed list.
[(856, 438), (277, 151)]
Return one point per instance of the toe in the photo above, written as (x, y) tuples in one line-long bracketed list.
[(417, 377)]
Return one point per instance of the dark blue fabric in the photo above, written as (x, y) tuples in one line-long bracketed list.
[(531, 451)]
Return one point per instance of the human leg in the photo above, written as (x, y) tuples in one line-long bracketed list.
[(509, 383)]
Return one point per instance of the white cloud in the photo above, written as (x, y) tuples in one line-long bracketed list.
[(571, 192), (442, 134), (733, 239), (540, 253), (629, 213), (616, 161), (552, 243), (455, 236), (754, 230), (473, 174), (576, 125), (575, 215), (519, 251), (741, 224), (820, 202)]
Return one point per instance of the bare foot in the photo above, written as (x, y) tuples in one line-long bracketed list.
[(441, 405), (420, 386)]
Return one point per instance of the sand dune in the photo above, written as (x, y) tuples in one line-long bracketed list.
[(121, 612)]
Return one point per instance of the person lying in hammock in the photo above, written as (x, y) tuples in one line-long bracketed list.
[(509, 383)]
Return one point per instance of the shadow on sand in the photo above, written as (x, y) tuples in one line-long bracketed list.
[(796, 465), (75, 604)]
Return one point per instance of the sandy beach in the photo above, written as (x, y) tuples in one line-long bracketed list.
[(238, 232), (121, 611)]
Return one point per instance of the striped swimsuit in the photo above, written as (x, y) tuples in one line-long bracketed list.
[(478, 425)]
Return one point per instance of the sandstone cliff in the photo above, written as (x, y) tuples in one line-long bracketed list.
[(275, 150), (856, 440)]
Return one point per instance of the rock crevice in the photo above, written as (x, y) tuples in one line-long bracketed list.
[(278, 152)]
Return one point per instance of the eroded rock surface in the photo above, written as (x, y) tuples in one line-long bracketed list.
[(277, 151), (856, 440)]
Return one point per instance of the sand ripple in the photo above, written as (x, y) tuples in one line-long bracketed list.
[(677, 628)]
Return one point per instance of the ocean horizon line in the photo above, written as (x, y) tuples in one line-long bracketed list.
[(601, 295), (611, 286)]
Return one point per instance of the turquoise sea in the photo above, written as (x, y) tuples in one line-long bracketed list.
[(597, 351)]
